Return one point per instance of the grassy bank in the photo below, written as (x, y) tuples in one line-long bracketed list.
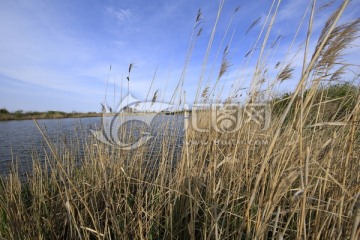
[(5, 115), (297, 179)]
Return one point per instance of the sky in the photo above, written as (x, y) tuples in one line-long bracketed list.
[(56, 55)]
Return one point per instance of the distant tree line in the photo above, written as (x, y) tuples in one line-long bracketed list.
[(22, 115)]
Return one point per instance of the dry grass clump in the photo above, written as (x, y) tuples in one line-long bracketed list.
[(204, 194), (296, 178)]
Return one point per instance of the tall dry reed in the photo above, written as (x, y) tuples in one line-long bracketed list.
[(299, 179)]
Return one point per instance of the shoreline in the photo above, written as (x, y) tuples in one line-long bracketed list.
[(17, 117), (62, 115)]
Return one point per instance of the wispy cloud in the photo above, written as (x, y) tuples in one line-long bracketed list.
[(292, 10), (122, 15), (61, 50)]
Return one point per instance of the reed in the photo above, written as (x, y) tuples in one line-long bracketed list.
[(299, 179)]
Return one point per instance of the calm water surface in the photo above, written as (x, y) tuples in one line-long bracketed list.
[(19, 140)]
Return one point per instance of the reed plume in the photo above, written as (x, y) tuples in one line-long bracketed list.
[(256, 22), (155, 97), (286, 73), (295, 178)]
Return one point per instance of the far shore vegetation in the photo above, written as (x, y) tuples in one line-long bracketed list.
[(6, 115)]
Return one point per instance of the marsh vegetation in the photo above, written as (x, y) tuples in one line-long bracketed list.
[(302, 184)]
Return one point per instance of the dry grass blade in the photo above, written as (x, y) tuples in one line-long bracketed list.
[(198, 21), (154, 98), (199, 32), (320, 124), (329, 27), (216, 173), (131, 65), (338, 74), (355, 231), (205, 94), (286, 73), (199, 15), (339, 39), (276, 40), (253, 25), (325, 6), (247, 54), (224, 63), (277, 65)]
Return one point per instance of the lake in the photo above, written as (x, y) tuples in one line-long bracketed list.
[(19, 140)]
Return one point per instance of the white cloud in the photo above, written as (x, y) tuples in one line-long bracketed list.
[(121, 15), (291, 10), (62, 47)]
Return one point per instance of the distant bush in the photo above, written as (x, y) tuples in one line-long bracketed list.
[(19, 112), (341, 90), (55, 112), (34, 113), (281, 102), (341, 100), (334, 101), (3, 111)]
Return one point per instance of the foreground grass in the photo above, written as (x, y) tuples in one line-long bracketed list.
[(298, 179), (308, 187)]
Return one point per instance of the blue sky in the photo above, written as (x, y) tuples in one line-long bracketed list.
[(55, 55)]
